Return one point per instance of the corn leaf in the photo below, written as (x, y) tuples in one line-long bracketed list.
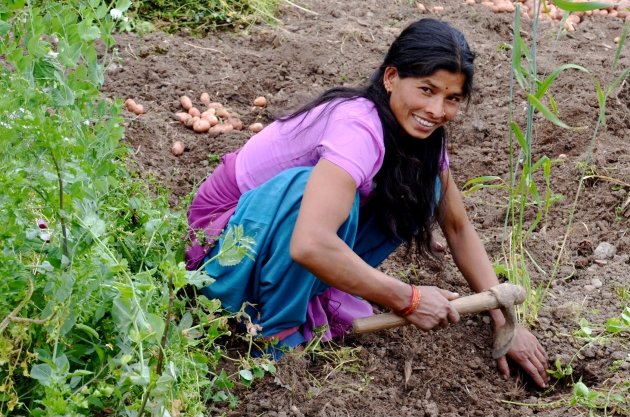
[(519, 135), (548, 113), (601, 101), (518, 49), (547, 82), (622, 41), (572, 6)]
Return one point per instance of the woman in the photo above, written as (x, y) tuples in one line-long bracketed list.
[(329, 191)]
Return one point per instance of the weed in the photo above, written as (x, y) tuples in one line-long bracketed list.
[(202, 16), (560, 371), (214, 159)]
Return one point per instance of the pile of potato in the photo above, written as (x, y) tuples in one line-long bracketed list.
[(214, 120), (548, 10)]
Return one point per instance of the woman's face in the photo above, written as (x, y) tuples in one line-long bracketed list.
[(423, 104)]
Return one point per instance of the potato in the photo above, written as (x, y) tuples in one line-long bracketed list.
[(177, 148), (212, 119), (193, 111), (190, 122), (214, 105), (129, 104), (185, 102), (260, 101), (256, 127), (236, 123), (222, 113), (205, 98), (215, 131), (182, 116), (573, 18), (224, 127), (437, 9), (138, 110), (201, 126)]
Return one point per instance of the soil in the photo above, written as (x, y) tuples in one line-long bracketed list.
[(405, 372)]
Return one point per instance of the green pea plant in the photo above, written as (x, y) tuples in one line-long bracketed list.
[(91, 320)]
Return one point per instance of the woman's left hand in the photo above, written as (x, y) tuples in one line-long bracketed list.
[(529, 354)]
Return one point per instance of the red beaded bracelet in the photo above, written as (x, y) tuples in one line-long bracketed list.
[(416, 296)]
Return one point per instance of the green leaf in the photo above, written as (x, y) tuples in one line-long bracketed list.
[(547, 82), (617, 81), (548, 113), (5, 28), (580, 389), (235, 247), (246, 374), (88, 32), (520, 137), (572, 6), (63, 96), (622, 42), (95, 224), (518, 48), (601, 101), (613, 325), (43, 373), (199, 279), (123, 5)]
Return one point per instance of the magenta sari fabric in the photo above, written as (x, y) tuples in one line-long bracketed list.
[(211, 209)]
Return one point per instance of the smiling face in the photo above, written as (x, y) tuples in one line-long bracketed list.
[(423, 104)]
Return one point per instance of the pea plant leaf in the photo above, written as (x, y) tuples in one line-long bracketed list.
[(235, 247)]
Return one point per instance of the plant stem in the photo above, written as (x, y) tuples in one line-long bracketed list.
[(167, 325), (64, 232), (160, 360)]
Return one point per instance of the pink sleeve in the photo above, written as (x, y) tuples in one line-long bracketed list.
[(356, 145)]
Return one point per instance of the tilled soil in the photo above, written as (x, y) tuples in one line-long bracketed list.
[(405, 372)]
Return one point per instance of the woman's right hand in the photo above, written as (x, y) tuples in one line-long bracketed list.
[(435, 310)]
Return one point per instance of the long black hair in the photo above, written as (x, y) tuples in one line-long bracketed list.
[(404, 198)]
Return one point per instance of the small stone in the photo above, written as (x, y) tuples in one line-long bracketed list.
[(486, 319), (431, 409), (589, 352), (589, 287), (605, 251), (563, 311), (596, 282), (470, 322)]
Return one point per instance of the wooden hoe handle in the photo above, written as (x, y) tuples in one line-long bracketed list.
[(476, 303)]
